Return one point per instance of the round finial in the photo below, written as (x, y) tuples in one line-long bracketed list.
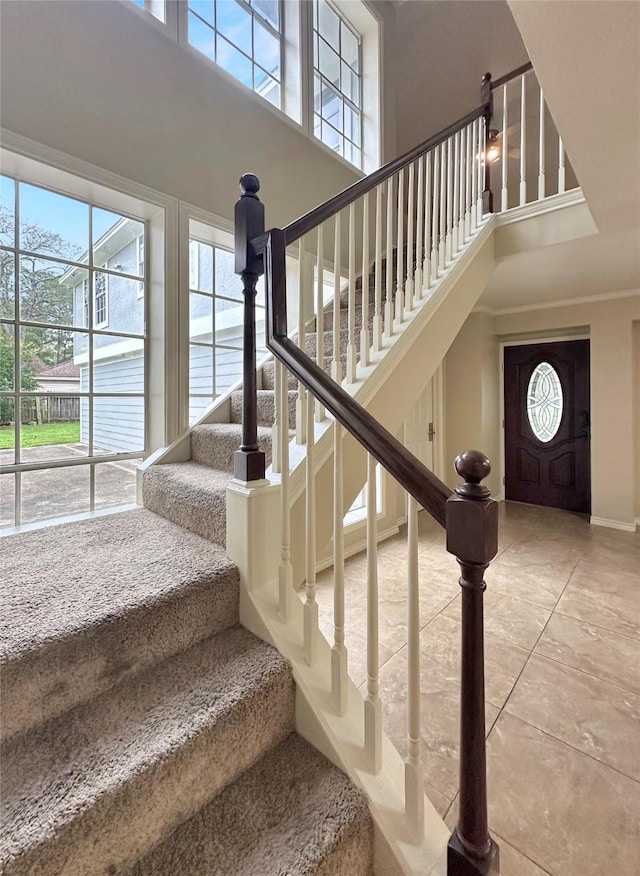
[(486, 77), (473, 466), (249, 183)]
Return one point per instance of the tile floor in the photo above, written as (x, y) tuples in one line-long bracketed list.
[(562, 641)]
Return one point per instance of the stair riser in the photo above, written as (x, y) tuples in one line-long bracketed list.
[(266, 408), (196, 510), (208, 447), (67, 673), (123, 824)]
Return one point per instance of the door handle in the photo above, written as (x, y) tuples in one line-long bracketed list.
[(431, 432), (584, 424)]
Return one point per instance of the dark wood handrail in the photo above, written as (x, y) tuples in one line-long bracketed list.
[(513, 75), (296, 229), (413, 475)]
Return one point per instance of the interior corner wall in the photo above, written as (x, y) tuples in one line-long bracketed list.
[(106, 84), (472, 397), (614, 393), (442, 51)]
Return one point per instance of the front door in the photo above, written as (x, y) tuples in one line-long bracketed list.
[(547, 425)]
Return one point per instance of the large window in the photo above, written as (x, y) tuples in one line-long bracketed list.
[(337, 85), (215, 322), (72, 354), (243, 38)]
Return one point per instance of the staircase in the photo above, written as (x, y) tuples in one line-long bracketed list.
[(145, 731)]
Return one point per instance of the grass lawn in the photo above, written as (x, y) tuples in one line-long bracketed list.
[(37, 436)]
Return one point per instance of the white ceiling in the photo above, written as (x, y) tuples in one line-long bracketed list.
[(586, 54)]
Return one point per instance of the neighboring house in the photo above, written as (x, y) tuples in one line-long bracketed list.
[(59, 379)]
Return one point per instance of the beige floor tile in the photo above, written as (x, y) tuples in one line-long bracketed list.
[(564, 810), (440, 802), (607, 597), (599, 652), (523, 583), (510, 619), (549, 559), (598, 718), (503, 663), (514, 863)]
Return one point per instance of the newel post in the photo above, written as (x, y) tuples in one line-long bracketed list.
[(486, 99), (249, 461), (472, 536)]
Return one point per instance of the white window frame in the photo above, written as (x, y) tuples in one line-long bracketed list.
[(98, 278), (140, 261), (297, 68)]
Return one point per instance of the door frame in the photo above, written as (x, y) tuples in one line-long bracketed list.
[(523, 342)]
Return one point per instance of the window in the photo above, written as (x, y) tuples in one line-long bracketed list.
[(337, 83), (72, 393), (244, 38), (155, 7), (216, 307), (544, 402)]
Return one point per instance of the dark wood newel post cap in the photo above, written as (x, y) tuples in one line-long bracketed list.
[(249, 184), (471, 515), (486, 78), (473, 466)]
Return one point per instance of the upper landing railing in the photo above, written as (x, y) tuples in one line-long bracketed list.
[(363, 263)]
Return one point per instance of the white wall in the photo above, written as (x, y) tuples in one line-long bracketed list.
[(443, 49), (101, 82)]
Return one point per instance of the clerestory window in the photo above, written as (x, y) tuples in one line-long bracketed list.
[(337, 82), (244, 38)]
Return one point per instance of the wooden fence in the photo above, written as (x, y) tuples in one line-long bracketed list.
[(50, 409)]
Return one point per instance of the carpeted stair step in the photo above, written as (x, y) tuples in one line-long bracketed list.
[(266, 407), (214, 444), (268, 378), (292, 813), (94, 790), (89, 603), (190, 494)]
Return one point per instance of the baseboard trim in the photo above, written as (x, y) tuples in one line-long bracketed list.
[(614, 524)]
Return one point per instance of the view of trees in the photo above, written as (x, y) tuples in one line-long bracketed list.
[(42, 298)]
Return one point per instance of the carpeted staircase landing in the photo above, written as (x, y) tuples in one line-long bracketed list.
[(145, 731)]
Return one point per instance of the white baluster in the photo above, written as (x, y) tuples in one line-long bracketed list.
[(455, 244), (364, 330), (442, 221), (523, 143), (277, 417), (541, 163), (301, 410), (505, 152), (482, 140), (372, 709), (339, 676), (419, 230), (351, 314), (388, 304), (377, 316), (400, 252), (285, 570), (409, 287), (414, 786), (474, 177), (561, 177), (426, 267), (310, 605), (448, 249), (435, 225), (336, 364), (320, 412), (462, 172), (469, 179)]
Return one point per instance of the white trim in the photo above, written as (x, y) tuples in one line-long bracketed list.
[(538, 208), (68, 518), (614, 524), (564, 302)]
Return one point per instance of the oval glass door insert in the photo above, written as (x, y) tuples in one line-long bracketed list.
[(544, 402)]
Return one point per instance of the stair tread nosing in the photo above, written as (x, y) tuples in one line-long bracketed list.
[(293, 812), (214, 444), (90, 607), (98, 786)]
